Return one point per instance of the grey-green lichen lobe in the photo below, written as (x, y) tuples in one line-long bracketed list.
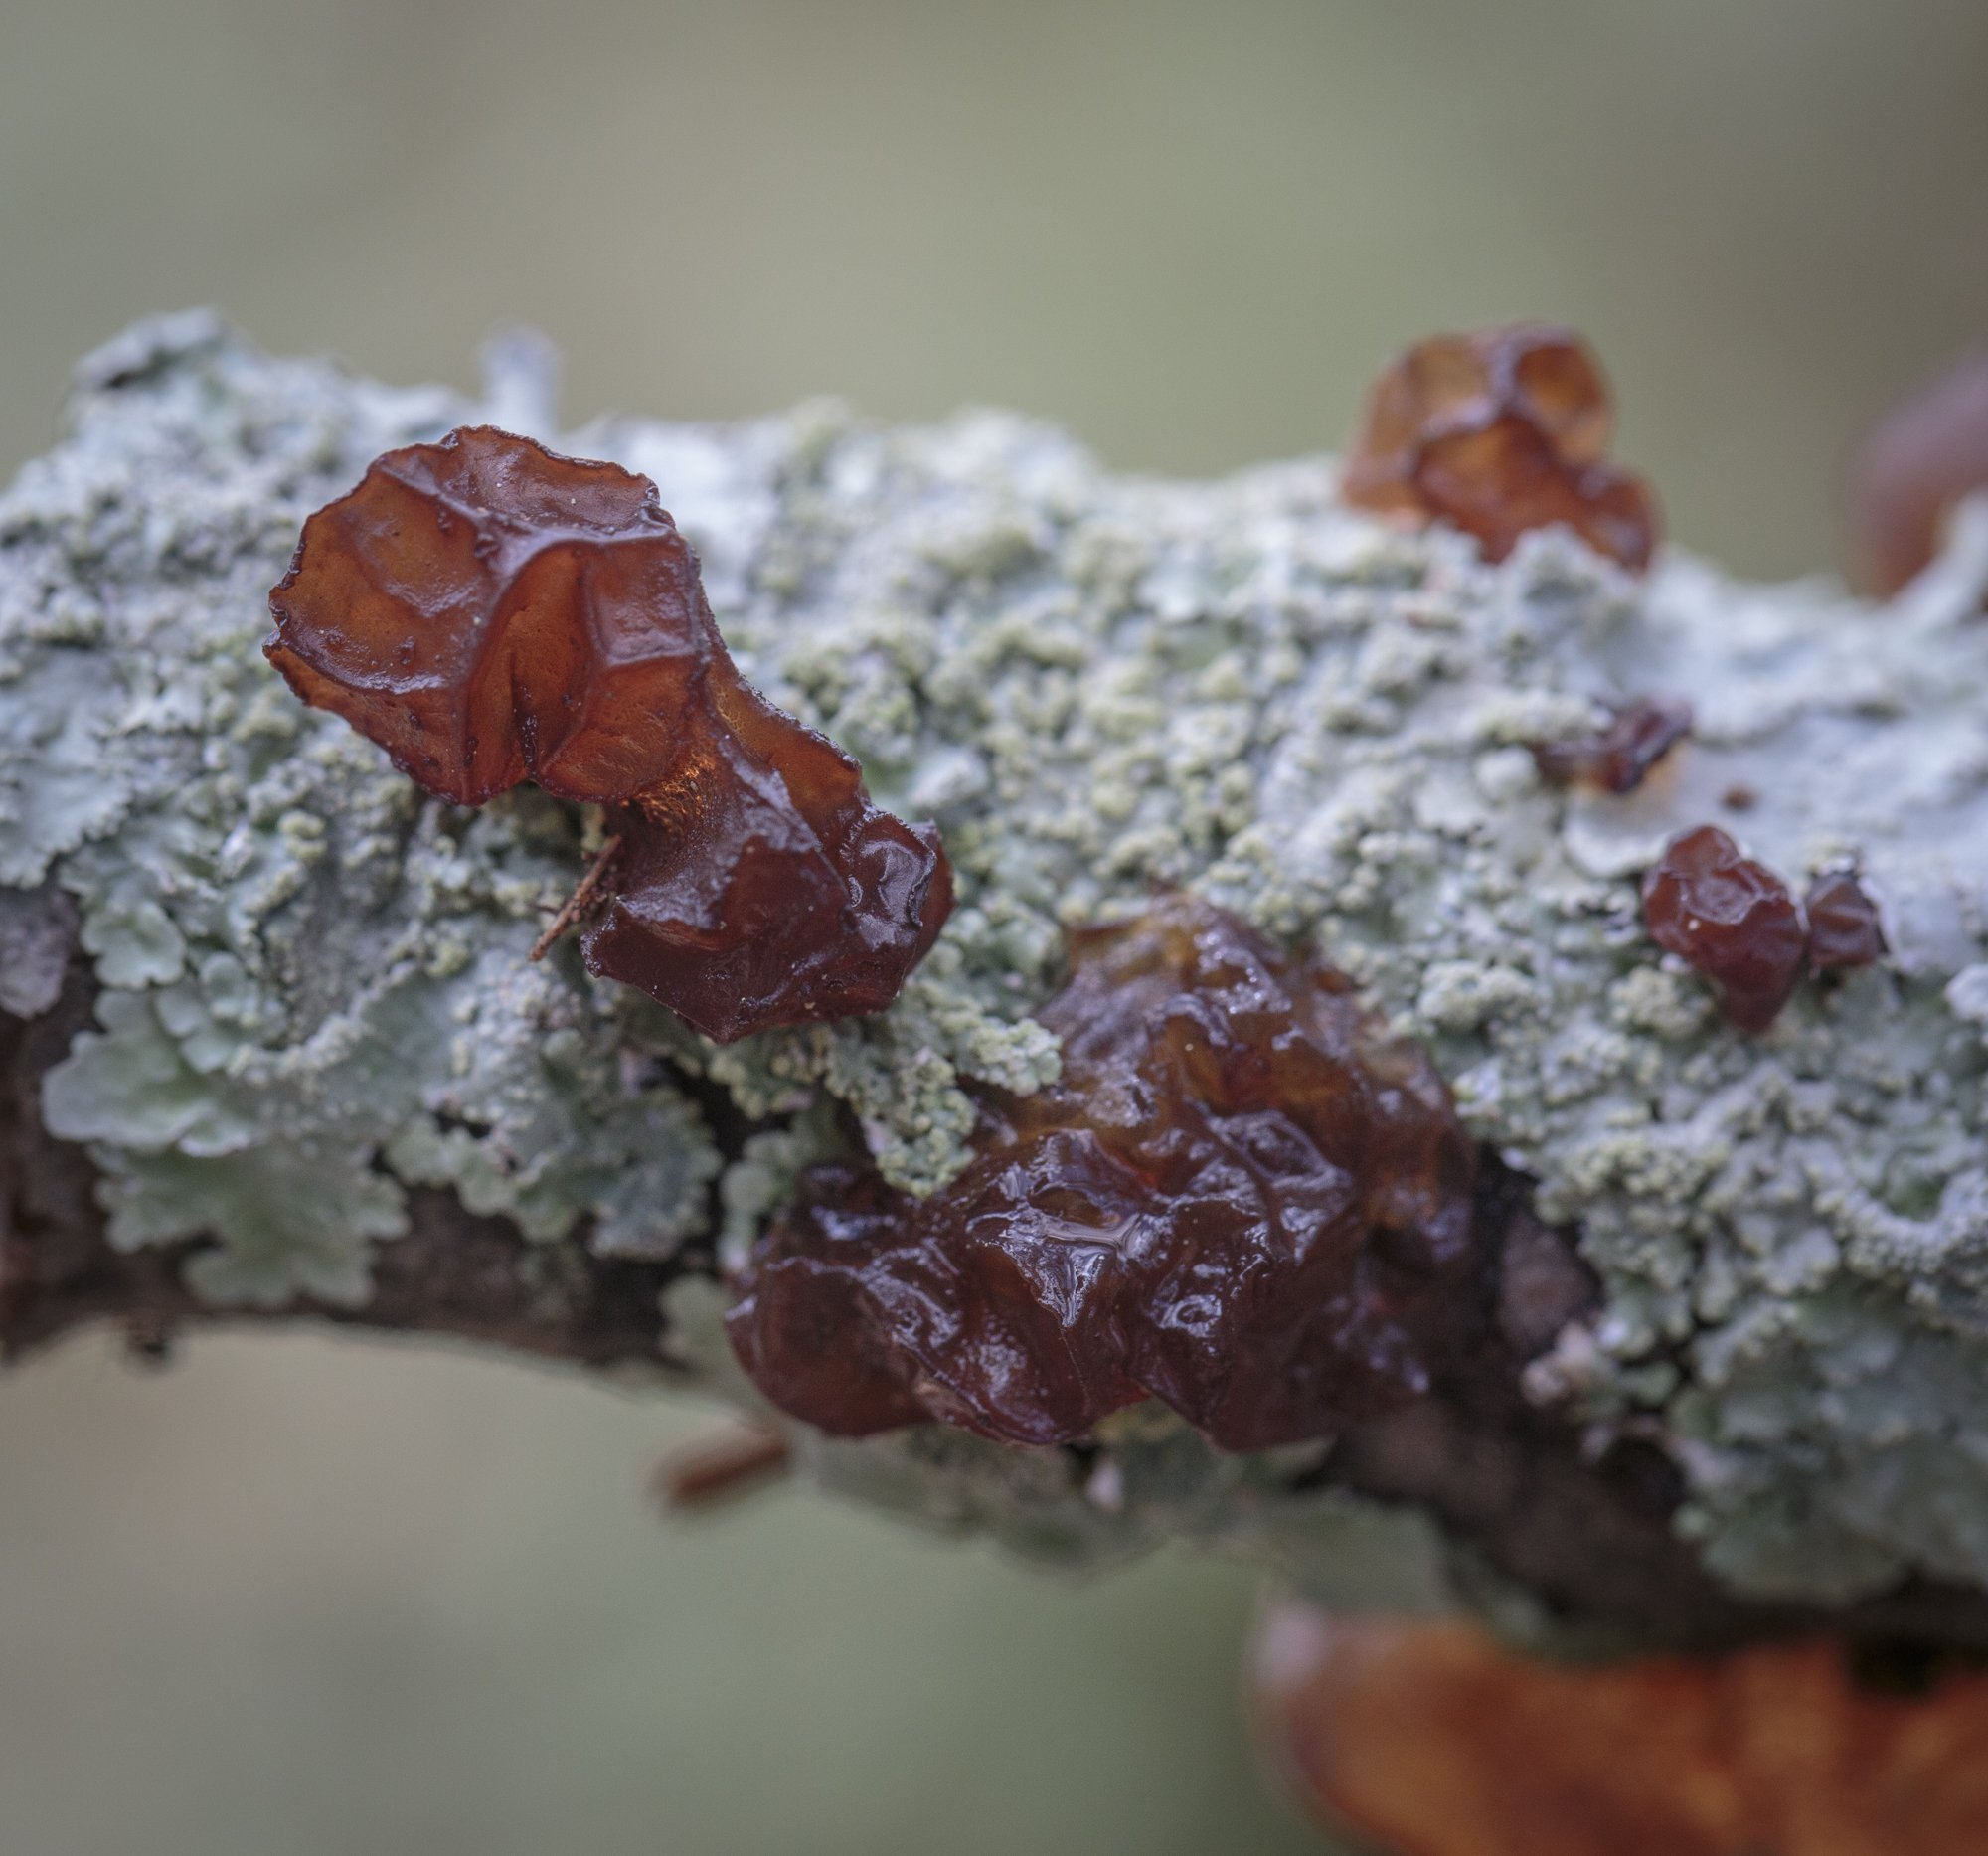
[(315, 990), (1096, 686)]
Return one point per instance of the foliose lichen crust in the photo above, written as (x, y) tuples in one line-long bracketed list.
[(1097, 686)]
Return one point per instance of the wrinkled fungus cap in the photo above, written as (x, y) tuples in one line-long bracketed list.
[(1498, 432), (489, 612), (1242, 1197)]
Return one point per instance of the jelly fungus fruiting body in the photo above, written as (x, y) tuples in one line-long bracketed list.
[(1618, 757), (1242, 1197), (1731, 919), (1843, 924), (490, 612), (1912, 467), (1499, 431), (1433, 1738)]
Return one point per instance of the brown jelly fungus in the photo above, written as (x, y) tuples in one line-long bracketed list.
[(490, 612), (1616, 757), (1242, 1197), (1731, 919), (1843, 928), (1912, 468), (1432, 1739), (1499, 431)]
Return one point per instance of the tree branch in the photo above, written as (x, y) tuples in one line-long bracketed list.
[(286, 1031)]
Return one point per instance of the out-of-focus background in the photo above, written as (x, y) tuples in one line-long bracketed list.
[(299, 1596)]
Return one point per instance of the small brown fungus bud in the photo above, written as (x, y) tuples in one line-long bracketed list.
[(1616, 757), (1912, 467), (490, 612), (1242, 1197), (1432, 1740), (1843, 927), (1731, 919), (1498, 432)]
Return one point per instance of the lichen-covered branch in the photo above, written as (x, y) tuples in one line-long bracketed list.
[(275, 1045)]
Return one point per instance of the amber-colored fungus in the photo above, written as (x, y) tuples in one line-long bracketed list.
[(1733, 919), (1912, 468), (1619, 757), (1432, 1740), (490, 612), (1499, 431), (1843, 927), (1241, 1198)]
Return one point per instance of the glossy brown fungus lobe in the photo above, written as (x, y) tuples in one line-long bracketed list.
[(1498, 432), (1912, 468), (1843, 924), (1617, 757), (491, 612), (1731, 919), (1242, 1197), (1432, 1739)]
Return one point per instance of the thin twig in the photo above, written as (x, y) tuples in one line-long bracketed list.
[(720, 1465), (570, 910)]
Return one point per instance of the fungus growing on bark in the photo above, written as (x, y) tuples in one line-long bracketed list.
[(1242, 1197), (1432, 1740), (1731, 919), (1910, 470), (1843, 927), (1616, 757), (490, 612), (1499, 431)]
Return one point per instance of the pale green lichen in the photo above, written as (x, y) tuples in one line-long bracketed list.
[(314, 986), (1096, 686)]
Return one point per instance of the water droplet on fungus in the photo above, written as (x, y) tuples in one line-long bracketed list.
[(1434, 1740), (1242, 1197), (1913, 465), (547, 622), (1731, 919), (1616, 757), (1498, 432)]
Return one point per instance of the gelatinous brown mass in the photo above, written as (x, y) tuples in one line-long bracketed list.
[(1241, 1198), (1616, 757), (1499, 431), (1912, 467), (1843, 928), (1733, 919), (490, 612), (1432, 1740)]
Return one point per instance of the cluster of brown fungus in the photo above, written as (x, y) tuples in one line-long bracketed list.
[(1243, 1199), (1735, 922), (491, 612), (1498, 432)]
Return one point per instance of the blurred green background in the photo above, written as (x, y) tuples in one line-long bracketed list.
[(299, 1596)]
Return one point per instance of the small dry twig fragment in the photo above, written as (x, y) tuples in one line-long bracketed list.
[(720, 1465)]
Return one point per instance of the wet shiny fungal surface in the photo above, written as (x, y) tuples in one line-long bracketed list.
[(1498, 432), (1243, 1199), (1618, 757), (1843, 924), (491, 612), (1732, 919)]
